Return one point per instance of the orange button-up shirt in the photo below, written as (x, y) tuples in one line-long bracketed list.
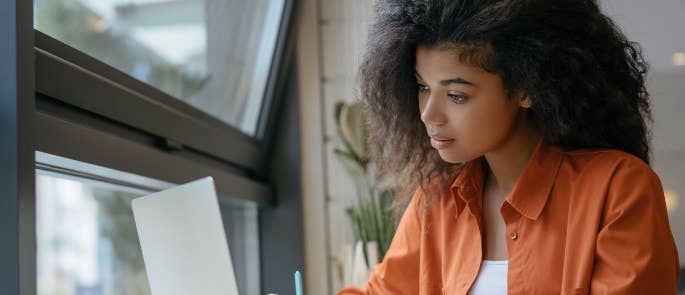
[(577, 222)]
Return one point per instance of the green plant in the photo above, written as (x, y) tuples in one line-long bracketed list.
[(372, 217)]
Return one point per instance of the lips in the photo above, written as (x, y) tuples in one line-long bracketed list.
[(440, 138), (440, 142)]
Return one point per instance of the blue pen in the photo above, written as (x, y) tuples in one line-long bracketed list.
[(298, 283)]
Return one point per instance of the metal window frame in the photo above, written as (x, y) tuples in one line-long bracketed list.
[(73, 140), (17, 203)]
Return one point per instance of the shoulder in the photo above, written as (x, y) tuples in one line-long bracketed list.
[(608, 179), (608, 163), (623, 179)]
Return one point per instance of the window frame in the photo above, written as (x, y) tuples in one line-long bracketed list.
[(17, 204), (67, 135)]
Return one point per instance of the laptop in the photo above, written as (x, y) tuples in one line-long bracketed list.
[(183, 241)]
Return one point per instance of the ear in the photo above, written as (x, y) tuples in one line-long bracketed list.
[(525, 101)]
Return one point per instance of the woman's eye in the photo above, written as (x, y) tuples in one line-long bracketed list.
[(457, 98)]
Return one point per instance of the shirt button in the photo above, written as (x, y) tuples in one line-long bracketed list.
[(514, 235)]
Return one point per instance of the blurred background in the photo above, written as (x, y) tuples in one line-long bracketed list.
[(113, 99)]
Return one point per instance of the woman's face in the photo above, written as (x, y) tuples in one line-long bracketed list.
[(465, 109)]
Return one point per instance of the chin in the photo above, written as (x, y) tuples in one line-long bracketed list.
[(451, 158), (456, 157)]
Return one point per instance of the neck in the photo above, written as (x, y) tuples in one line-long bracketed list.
[(506, 163)]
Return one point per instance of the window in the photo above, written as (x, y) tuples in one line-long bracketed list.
[(87, 242), (107, 100), (86, 238), (213, 55)]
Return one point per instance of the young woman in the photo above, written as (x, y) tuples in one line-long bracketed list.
[(522, 127)]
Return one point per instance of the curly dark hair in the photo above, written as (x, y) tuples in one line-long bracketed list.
[(586, 79)]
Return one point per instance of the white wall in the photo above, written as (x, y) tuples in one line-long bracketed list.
[(331, 37), (342, 26)]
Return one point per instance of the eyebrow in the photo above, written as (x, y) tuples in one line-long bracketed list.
[(457, 80)]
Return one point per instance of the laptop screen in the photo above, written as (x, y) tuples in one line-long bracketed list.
[(183, 241)]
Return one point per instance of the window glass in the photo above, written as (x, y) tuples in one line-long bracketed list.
[(86, 239), (87, 243), (214, 55)]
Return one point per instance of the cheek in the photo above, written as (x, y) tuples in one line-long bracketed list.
[(480, 127), (494, 123)]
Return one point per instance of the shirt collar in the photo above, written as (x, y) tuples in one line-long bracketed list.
[(531, 191)]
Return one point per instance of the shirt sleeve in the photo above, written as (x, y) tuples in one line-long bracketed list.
[(635, 250), (398, 273)]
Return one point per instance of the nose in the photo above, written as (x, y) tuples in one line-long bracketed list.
[(432, 113)]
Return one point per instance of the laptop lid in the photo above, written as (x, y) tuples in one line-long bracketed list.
[(183, 241)]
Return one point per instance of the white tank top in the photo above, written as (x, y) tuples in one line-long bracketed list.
[(492, 278)]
